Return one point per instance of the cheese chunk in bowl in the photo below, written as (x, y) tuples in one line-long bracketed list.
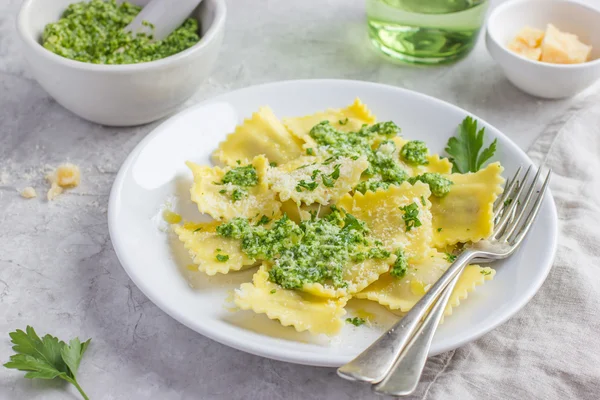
[(551, 46), (556, 56)]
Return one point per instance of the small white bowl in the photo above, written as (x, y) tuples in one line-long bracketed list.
[(120, 95), (551, 81)]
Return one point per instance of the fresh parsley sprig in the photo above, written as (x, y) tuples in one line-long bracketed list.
[(48, 357), (465, 149)]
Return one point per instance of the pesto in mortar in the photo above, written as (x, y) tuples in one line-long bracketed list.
[(93, 32)]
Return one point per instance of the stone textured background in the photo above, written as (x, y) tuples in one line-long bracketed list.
[(58, 271)]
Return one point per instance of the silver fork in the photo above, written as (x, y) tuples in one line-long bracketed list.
[(513, 223)]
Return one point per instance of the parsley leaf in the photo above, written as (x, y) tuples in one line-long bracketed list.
[(263, 220), (411, 216), (450, 257), (329, 180), (48, 357), (465, 149)]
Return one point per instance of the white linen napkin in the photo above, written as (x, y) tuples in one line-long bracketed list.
[(551, 348)]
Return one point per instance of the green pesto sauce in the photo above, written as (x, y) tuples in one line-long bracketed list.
[(415, 152), (316, 250), (384, 169), (400, 266), (238, 180), (438, 185), (351, 144), (241, 176), (93, 32), (384, 166)]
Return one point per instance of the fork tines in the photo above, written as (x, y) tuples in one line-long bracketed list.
[(513, 213)]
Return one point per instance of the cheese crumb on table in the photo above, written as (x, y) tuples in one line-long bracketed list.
[(65, 176), (28, 193), (551, 46)]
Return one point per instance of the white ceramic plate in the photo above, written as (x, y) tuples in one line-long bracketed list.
[(154, 177)]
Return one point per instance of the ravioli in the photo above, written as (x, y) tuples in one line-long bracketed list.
[(435, 163), (466, 213), (402, 294), (214, 198), (357, 275), (349, 119), (263, 134), (381, 210), (303, 212), (307, 180), (303, 311), (204, 245)]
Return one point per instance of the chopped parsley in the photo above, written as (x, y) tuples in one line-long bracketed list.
[(222, 257), (329, 180), (400, 266), (273, 164), (198, 229), (273, 291), (439, 229), (438, 185), (315, 250), (423, 201), (411, 216), (415, 152), (450, 257), (343, 121), (356, 321), (263, 220), (310, 186), (310, 151), (485, 272)]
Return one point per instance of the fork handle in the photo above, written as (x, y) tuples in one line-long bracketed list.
[(373, 364), (406, 373)]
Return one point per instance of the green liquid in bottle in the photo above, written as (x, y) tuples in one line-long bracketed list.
[(425, 31)]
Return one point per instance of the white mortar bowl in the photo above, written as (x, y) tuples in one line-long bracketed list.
[(551, 81), (120, 95)]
